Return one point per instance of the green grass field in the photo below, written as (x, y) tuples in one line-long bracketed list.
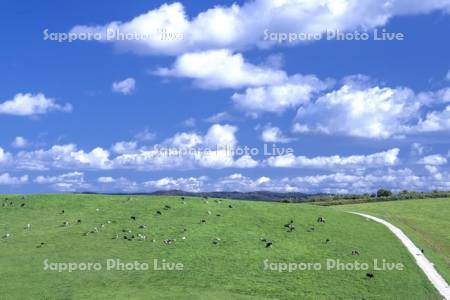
[(231, 269), (426, 222)]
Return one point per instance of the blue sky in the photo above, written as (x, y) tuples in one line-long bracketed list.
[(358, 115)]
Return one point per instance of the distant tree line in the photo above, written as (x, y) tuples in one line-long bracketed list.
[(381, 195)]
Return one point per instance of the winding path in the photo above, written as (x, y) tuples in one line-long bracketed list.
[(427, 267)]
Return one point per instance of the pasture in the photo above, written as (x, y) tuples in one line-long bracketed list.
[(426, 222), (223, 246)]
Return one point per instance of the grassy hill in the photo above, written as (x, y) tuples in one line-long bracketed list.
[(222, 258), (425, 221)]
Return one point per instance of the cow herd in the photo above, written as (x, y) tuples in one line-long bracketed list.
[(131, 235)]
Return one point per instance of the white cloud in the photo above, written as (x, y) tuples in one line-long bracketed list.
[(68, 182), (380, 159), (5, 157), (29, 105), (124, 147), (222, 136), (434, 160), (435, 121), (278, 97), (145, 135), (19, 142), (271, 134), (362, 112), (62, 157), (6, 179), (125, 87), (189, 122), (221, 69), (240, 27), (190, 184), (219, 118), (106, 179)]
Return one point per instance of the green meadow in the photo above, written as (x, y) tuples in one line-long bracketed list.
[(426, 222), (222, 245)]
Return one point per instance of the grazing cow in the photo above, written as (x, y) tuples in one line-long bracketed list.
[(310, 229), (209, 212), (40, 245), (184, 202), (320, 220), (230, 206), (184, 229), (97, 209), (216, 241), (218, 215), (133, 218), (62, 212), (326, 241), (203, 221), (158, 213), (28, 227), (166, 207), (370, 275), (183, 237), (6, 236), (22, 205), (102, 225), (182, 198), (168, 241), (78, 221), (65, 223), (355, 252), (143, 226), (290, 226), (269, 244)]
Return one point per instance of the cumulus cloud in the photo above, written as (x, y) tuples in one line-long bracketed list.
[(221, 69), (145, 135), (190, 184), (7, 179), (62, 157), (278, 97), (434, 160), (380, 159), (124, 147), (5, 157), (183, 151), (125, 87), (106, 179), (240, 27), (272, 134), (30, 105), (361, 112), (68, 182), (19, 142), (435, 121)]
